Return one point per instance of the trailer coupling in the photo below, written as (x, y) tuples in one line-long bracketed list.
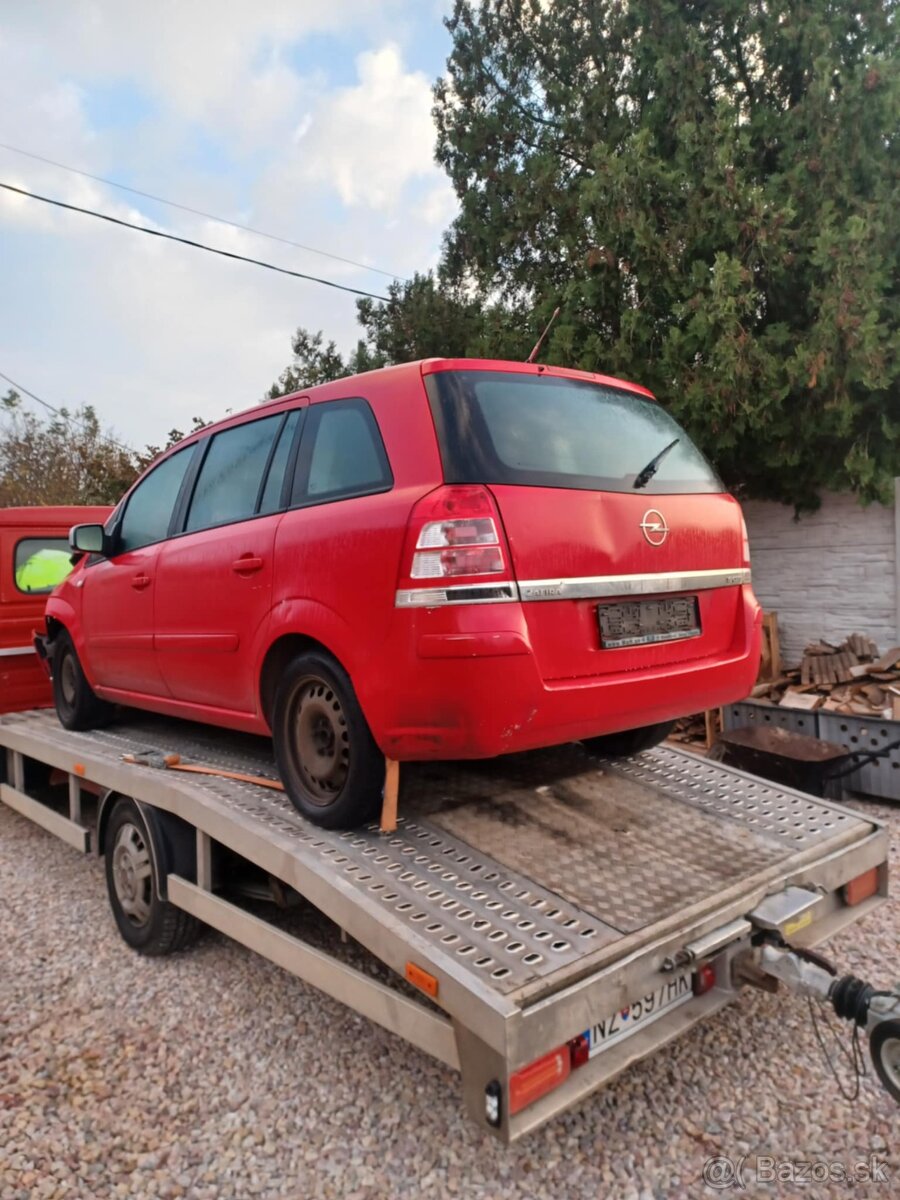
[(877, 1012)]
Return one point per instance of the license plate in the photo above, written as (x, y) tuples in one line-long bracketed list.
[(640, 1013), (639, 622)]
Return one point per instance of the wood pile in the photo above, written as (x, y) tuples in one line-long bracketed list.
[(849, 678)]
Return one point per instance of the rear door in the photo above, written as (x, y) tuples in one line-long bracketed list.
[(615, 576), (215, 578)]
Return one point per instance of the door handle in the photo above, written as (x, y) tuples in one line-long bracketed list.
[(139, 582), (247, 564)]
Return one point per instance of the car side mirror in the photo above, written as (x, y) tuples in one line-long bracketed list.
[(88, 539)]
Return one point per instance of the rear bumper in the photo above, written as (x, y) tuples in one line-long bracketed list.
[(473, 690)]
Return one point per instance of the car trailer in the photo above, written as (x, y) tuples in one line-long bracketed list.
[(547, 919)]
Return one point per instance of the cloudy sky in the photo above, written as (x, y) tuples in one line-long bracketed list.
[(309, 119)]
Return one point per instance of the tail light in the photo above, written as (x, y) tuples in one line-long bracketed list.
[(704, 979), (539, 1078), (455, 533)]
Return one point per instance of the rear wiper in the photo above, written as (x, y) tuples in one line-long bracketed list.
[(644, 476)]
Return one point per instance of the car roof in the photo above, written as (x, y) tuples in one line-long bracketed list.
[(345, 386), (40, 516)]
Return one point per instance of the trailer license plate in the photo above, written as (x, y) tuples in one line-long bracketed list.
[(640, 1013), (640, 622)]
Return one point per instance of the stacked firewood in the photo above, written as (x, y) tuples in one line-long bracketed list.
[(849, 678)]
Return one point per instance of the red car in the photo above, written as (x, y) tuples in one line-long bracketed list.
[(34, 557), (447, 559)]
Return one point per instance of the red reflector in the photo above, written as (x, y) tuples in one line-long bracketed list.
[(862, 887), (579, 1050), (539, 1078), (704, 979)]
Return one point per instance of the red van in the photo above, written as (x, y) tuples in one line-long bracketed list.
[(446, 559), (34, 557)]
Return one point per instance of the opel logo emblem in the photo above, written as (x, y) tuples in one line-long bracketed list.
[(654, 526)]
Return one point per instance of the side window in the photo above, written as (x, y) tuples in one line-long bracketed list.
[(271, 497), (346, 455), (41, 563), (149, 508), (228, 485)]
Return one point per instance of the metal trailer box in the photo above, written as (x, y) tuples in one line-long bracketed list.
[(751, 712), (864, 734)]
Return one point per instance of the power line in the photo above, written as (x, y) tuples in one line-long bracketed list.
[(171, 237), (198, 212), (63, 416)]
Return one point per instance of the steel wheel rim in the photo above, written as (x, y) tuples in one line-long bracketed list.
[(132, 874), (890, 1060), (68, 680), (320, 740)]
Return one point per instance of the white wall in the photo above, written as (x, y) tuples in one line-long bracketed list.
[(831, 573)]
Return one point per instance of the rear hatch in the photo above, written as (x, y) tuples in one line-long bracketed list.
[(625, 563)]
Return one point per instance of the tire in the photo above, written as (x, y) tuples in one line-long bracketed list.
[(76, 705), (329, 763), (884, 1046), (149, 924), (629, 741)]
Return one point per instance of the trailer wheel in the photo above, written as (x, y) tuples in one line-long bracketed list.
[(149, 924), (76, 705), (329, 763), (884, 1046), (629, 741)]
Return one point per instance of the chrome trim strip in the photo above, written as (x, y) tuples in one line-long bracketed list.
[(594, 586), (434, 597), (587, 587), (15, 651)]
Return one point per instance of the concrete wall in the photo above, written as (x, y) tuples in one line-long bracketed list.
[(834, 572)]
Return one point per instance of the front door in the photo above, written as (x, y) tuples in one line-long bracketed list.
[(119, 592), (214, 589), (117, 620)]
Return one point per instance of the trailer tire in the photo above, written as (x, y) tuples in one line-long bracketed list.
[(884, 1047), (76, 704), (331, 768), (629, 741), (148, 923)]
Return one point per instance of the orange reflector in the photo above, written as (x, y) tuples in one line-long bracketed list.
[(79, 768), (862, 887), (422, 980), (539, 1078)]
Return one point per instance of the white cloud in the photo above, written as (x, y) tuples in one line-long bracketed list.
[(368, 141), (153, 333)]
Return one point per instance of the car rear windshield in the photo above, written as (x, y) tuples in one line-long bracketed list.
[(544, 431)]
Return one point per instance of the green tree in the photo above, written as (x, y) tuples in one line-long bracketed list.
[(426, 317), (710, 193), (66, 459)]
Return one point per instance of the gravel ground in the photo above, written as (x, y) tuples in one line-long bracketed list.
[(213, 1074)]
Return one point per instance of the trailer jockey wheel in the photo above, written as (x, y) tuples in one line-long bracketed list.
[(133, 851), (884, 1046)]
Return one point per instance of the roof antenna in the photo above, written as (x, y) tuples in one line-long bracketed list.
[(537, 345)]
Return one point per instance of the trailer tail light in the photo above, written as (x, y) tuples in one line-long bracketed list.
[(862, 887), (579, 1050), (704, 979), (455, 532), (539, 1078)]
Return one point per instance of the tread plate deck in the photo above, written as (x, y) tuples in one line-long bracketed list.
[(510, 869)]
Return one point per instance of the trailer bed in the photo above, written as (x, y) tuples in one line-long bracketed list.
[(527, 887)]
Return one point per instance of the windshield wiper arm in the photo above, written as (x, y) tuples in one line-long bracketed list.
[(644, 476)]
